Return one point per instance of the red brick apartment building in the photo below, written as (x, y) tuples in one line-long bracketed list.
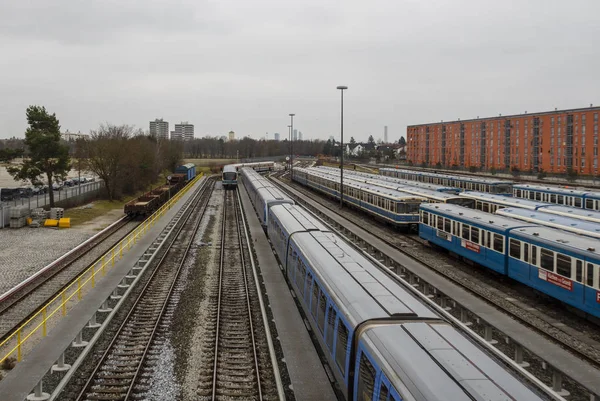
[(553, 141)]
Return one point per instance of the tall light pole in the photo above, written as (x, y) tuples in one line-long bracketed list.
[(342, 88), (292, 145)]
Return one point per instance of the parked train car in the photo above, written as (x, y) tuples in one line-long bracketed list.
[(399, 208), (253, 181), (263, 194), (188, 169), (491, 203), (499, 187), (561, 196), (381, 341), (541, 218), (432, 196), (229, 176), (560, 264), (433, 187)]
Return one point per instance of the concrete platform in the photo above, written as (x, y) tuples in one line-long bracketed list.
[(20, 381), (551, 352), (309, 379)]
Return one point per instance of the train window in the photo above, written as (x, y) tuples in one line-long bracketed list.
[(532, 195), (561, 199), (475, 235), (579, 271), (315, 299), (321, 312), (552, 198), (465, 231), (383, 392), (534, 255), (563, 265), (485, 208), (488, 242), (447, 225), (498, 243), (589, 203), (515, 248), (547, 259), (577, 202), (307, 289), (526, 252), (340, 347), (590, 275), (366, 379), (440, 223), (425, 218), (518, 193), (331, 316)]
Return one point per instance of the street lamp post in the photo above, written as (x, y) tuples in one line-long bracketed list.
[(342, 88), (292, 145)]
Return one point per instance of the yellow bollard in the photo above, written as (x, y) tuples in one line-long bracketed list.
[(45, 311), (121, 250), (64, 304), (19, 354)]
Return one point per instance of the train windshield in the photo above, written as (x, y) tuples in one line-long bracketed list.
[(470, 203), (408, 207), (229, 176)]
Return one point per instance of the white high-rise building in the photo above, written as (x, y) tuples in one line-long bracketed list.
[(231, 136), (295, 135), (183, 131), (385, 135), (299, 135), (159, 128), (276, 136)]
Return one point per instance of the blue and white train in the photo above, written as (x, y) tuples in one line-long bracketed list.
[(399, 208), (490, 203), (499, 187), (583, 199), (262, 193), (229, 176), (562, 265), (541, 218), (381, 340)]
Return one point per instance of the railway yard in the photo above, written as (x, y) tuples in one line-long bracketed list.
[(258, 286)]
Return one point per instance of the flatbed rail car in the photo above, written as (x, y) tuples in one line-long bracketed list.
[(498, 187), (583, 199), (381, 340), (490, 203), (560, 264), (229, 176), (432, 196), (399, 208), (149, 202), (541, 218), (400, 181)]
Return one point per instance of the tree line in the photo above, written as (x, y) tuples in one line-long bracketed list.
[(125, 159)]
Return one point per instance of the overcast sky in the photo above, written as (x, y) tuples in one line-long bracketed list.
[(245, 65)]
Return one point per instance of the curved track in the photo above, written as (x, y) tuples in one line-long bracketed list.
[(118, 370)]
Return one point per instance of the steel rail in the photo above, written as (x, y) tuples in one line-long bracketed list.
[(109, 348), (247, 291)]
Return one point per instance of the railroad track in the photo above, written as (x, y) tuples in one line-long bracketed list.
[(238, 364), (117, 374), (18, 305), (493, 290)]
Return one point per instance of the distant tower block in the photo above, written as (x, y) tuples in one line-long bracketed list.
[(385, 134), (276, 136), (231, 136)]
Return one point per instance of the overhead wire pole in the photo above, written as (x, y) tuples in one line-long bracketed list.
[(342, 88), (292, 145)]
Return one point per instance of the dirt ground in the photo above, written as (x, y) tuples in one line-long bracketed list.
[(101, 222)]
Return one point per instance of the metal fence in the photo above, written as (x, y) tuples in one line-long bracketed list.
[(66, 197)]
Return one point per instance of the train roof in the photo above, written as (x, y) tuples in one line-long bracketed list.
[(560, 239), (272, 193), (575, 212), (552, 220), (373, 189), (504, 200), (186, 166), (475, 216), (360, 289), (441, 175), (433, 361), (556, 190), (230, 168), (294, 218)]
